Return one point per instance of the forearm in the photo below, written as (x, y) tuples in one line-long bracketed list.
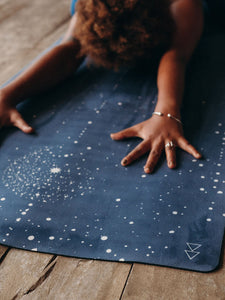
[(170, 81), (188, 18), (52, 68)]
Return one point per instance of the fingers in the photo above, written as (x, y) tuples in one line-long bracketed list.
[(19, 122), (153, 159), (170, 150), (126, 133), (155, 154), (186, 146), (149, 143), (139, 151)]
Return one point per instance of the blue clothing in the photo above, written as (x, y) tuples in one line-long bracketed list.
[(72, 7)]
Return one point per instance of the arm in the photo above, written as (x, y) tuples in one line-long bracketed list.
[(157, 131), (52, 68), (188, 18)]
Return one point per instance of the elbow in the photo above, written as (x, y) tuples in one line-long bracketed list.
[(183, 58), (71, 57), (177, 57)]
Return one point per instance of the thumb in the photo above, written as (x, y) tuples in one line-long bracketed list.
[(20, 123)]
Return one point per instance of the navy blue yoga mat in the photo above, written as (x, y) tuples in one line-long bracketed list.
[(63, 190)]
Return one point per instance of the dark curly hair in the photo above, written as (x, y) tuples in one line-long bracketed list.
[(115, 33)]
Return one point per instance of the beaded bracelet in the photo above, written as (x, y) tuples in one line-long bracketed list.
[(168, 115)]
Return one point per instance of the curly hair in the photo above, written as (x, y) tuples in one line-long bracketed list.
[(115, 33)]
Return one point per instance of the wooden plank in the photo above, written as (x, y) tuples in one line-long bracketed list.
[(19, 270), (81, 279), (26, 30), (153, 283), (6, 8), (29, 275), (3, 252)]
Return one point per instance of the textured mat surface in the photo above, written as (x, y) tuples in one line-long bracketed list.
[(63, 190)]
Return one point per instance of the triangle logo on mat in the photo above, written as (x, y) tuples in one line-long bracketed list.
[(191, 252)]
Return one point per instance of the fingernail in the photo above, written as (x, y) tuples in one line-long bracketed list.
[(147, 170), (124, 161), (171, 164), (112, 135), (28, 129), (198, 155)]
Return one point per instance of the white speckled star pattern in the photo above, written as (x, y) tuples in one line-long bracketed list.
[(64, 191)]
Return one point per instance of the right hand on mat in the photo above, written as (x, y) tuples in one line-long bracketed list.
[(9, 116), (157, 134)]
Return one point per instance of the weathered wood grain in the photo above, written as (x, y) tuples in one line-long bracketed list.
[(28, 275), (26, 29), (19, 271), (81, 280), (3, 252), (153, 283)]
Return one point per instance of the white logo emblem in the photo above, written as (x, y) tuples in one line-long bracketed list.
[(191, 252)]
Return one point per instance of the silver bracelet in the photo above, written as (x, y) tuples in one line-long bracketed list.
[(158, 113)]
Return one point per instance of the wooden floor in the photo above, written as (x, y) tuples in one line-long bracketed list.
[(26, 28)]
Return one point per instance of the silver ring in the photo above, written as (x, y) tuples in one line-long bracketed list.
[(170, 145)]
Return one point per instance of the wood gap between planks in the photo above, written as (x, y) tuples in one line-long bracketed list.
[(3, 256), (41, 279), (125, 285), (53, 258)]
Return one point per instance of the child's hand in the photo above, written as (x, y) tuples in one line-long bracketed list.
[(9, 116), (156, 133)]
